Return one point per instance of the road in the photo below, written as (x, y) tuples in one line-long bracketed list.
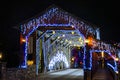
[(102, 74), (68, 74)]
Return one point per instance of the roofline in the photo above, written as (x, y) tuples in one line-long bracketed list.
[(51, 6)]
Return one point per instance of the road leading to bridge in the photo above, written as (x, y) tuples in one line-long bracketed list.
[(68, 74)]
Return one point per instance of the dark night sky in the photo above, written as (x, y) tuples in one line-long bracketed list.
[(101, 13)]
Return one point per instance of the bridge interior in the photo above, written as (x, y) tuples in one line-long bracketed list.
[(62, 48), (57, 48), (67, 74)]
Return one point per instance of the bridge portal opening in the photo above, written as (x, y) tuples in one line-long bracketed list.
[(102, 59), (53, 48)]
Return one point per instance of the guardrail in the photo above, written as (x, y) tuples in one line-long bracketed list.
[(113, 70)]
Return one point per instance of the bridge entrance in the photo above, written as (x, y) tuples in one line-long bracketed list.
[(56, 49), (56, 40), (103, 62)]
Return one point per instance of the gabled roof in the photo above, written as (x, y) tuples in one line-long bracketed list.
[(55, 15), (55, 6)]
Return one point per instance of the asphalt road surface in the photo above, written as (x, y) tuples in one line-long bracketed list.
[(68, 74)]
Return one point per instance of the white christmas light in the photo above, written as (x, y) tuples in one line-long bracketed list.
[(58, 58)]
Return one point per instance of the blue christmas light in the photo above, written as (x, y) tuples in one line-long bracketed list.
[(24, 64), (114, 68)]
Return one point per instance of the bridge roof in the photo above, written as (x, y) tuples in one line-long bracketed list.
[(55, 16)]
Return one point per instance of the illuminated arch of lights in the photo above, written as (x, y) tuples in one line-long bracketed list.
[(58, 58)]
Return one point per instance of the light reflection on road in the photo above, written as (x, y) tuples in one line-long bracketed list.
[(71, 74)]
